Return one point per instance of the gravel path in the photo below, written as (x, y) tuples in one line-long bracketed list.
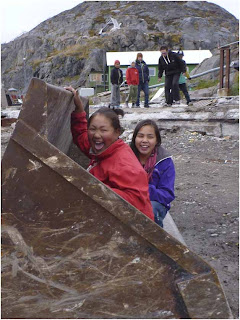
[(206, 208)]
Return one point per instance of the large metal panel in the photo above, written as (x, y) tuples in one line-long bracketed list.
[(72, 248)]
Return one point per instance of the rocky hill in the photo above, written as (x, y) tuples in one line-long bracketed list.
[(65, 48)]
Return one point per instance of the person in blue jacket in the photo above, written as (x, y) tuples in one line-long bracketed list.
[(143, 71), (158, 163)]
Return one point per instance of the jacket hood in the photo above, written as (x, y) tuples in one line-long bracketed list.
[(162, 154), (138, 62)]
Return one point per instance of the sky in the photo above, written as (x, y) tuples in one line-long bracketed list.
[(19, 16)]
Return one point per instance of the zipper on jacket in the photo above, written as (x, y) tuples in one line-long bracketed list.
[(119, 76), (142, 71), (167, 61)]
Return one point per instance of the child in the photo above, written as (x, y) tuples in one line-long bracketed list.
[(116, 80), (146, 144), (112, 161), (132, 77), (143, 71), (182, 80)]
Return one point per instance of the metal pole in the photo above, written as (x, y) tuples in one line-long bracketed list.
[(227, 68), (221, 68), (104, 70), (229, 44)]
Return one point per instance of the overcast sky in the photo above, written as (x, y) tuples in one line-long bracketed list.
[(18, 16)]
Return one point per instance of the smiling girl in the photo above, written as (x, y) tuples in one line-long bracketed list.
[(146, 144), (112, 160)]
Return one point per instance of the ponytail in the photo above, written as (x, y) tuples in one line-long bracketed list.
[(118, 111)]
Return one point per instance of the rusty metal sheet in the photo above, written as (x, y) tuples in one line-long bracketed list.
[(72, 248)]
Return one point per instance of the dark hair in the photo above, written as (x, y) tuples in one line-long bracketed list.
[(139, 55), (147, 122), (163, 48), (111, 114)]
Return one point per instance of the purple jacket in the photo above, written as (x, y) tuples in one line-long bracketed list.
[(161, 184)]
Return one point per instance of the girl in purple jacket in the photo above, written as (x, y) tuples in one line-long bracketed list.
[(146, 144)]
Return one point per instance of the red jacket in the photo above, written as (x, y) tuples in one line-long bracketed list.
[(132, 76), (117, 167)]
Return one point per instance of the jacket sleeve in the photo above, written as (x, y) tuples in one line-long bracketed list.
[(121, 78), (133, 187), (187, 74), (160, 69), (79, 131), (181, 63), (112, 76), (163, 190), (128, 78), (137, 77), (147, 72)]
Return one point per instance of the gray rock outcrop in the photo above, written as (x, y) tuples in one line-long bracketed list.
[(65, 48)]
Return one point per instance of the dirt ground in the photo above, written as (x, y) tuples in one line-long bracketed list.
[(206, 205), (206, 208)]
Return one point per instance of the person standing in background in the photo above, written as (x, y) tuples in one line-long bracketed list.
[(116, 80), (182, 81), (132, 77), (171, 63), (143, 80)]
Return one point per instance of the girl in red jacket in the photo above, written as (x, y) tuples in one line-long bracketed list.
[(112, 161)]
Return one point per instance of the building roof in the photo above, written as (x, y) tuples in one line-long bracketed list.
[(151, 57)]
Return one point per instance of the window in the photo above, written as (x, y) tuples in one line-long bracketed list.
[(106, 78), (152, 72), (98, 78), (93, 77)]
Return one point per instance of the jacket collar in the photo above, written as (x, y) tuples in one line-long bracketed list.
[(140, 62), (162, 154), (108, 152)]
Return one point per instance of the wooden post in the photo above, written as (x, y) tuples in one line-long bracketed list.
[(221, 68), (227, 74)]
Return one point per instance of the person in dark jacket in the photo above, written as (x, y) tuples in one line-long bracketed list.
[(157, 162), (143, 79), (171, 63), (116, 80)]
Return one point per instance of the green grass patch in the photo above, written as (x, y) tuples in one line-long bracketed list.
[(234, 90), (202, 84), (92, 33), (70, 79), (150, 21)]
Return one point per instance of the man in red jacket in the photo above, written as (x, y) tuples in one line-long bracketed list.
[(132, 77)]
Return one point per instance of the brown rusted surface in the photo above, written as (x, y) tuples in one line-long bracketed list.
[(227, 83), (72, 248), (221, 74), (6, 122)]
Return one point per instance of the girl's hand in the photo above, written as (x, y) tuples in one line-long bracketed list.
[(77, 100)]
